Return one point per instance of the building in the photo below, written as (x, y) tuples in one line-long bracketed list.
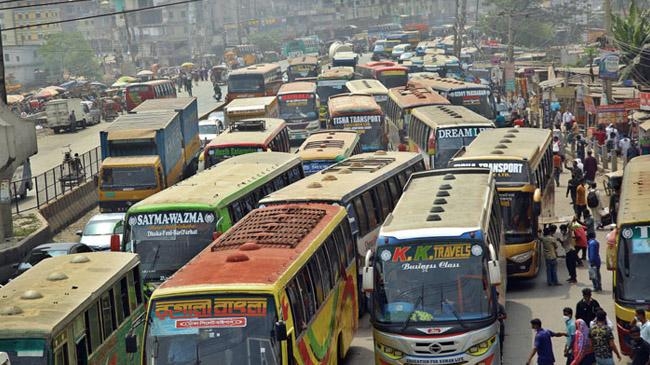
[(39, 12), (21, 64)]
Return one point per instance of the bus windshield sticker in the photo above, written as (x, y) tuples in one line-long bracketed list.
[(640, 238), (394, 73), (503, 171), (170, 225), (431, 257), (288, 97), (231, 151), (357, 121), (469, 92), (208, 308), (234, 322), (460, 132)]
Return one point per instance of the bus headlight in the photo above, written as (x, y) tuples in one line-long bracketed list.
[(482, 347), (390, 352), (522, 257)]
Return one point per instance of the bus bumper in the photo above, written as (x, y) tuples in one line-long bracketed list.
[(523, 260), (115, 206)]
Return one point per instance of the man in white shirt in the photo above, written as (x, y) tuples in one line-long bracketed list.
[(567, 117), (643, 323), (623, 145)]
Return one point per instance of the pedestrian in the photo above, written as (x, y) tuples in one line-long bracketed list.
[(594, 261), (586, 307), (600, 136), (580, 202), (588, 224), (602, 341), (581, 145), (633, 151), (550, 245), (571, 186), (542, 347), (188, 85), (594, 202), (501, 316), (557, 167), (580, 237), (571, 255), (640, 348), (583, 353), (567, 120), (640, 320), (623, 145), (591, 167), (570, 325), (609, 322)]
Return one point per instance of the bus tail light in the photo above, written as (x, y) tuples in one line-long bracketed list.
[(115, 243)]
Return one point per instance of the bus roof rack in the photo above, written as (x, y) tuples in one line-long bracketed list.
[(249, 125)]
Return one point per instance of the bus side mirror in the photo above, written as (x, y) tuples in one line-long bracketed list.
[(115, 243), (494, 267), (280, 329), (537, 202), (368, 273), (131, 343)]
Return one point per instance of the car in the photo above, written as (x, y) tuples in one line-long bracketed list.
[(209, 128), (99, 229), (47, 250), (399, 49)]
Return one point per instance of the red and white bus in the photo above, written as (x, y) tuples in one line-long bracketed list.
[(154, 89), (389, 73)]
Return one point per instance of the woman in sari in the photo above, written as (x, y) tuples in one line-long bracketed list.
[(583, 354)]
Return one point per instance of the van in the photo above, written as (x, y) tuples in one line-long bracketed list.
[(21, 182)]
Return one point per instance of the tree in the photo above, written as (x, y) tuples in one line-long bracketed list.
[(69, 52), (632, 36), (266, 41), (531, 26)]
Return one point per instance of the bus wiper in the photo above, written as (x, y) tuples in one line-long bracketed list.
[(407, 321), (451, 308), (153, 263)]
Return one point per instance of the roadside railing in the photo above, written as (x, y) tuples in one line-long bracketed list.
[(52, 184)]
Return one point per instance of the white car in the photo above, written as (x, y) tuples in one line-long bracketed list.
[(99, 229), (209, 128), (399, 49)]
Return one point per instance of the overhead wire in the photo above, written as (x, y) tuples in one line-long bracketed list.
[(48, 4)]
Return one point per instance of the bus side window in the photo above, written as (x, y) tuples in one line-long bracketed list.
[(124, 297), (385, 198), (371, 209), (395, 189), (325, 266), (336, 259), (349, 246), (93, 327), (138, 285), (119, 310), (297, 309), (80, 336), (61, 355), (307, 294), (317, 280), (108, 315), (362, 217)]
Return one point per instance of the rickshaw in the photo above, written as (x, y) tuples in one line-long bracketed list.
[(219, 74), (72, 172), (612, 182), (110, 109)]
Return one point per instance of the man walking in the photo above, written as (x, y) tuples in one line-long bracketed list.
[(594, 261), (591, 167), (570, 324), (557, 167), (581, 198), (550, 244), (571, 255), (543, 346), (642, 323), (640, 348), (587, 306), (602, 341)]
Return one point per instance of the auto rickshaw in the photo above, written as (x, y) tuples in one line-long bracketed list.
[(110, 109), (219, 74)]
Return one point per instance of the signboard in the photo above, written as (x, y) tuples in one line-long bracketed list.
[(608, 69), (613, 113), (460, 132), (632, 104), (171, 225), (357, 121), (644, 100), (5, 194), (504, 171), (427, 257), (590, 107), (510, 77), (564, 92)]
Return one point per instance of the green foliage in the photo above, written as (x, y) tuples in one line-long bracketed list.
[(266, 41), (530, 26), (631, 35), (69, 52)]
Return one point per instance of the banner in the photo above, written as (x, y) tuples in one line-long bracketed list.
[(590, 107), (613, 113), (608, 69)]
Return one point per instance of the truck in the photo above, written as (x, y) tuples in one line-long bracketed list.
[(142, 154), (189, 115), (58, 115)]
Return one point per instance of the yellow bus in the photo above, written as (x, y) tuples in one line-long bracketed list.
[(263, 79), (299, 106), (439, 265), (331, 82), (522, 161), (247, 108), (73, 309), (439, 131), (303, 68), (361, 113), (277, 288), (325, 148), (371, 87), (246, 136), (632, 272), (402, 100)]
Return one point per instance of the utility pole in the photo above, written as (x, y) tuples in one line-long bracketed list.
[(511, 48), (607, 84), (238, 23)]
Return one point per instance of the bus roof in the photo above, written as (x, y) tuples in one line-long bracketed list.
[(335, 73), (297, 87), (368, 86), (303, 60), (248, 102), (150, 82), (140, 125), (507, 143), (260, 68), (409, 97), (215, 186), (449, 116), (635, 192), (248, 132), (45, 299), (346, 179), (352, 103), (443, 84), (436, 200), (257, 251), (127, 161), (328, 144), (164, 104)]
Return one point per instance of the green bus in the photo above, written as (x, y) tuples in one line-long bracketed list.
[(73, 309), (331, 82), (170, 227)]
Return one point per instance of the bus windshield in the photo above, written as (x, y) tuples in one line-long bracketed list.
[(450, 140), (215, 329), (370, 128), (302, 71), (166, 241), (24, 351), (293, 108), (517, 215), (120, 178), (327, 88), (476, 100), (392, 79), (246, 84), (430, 283), (633, 256)]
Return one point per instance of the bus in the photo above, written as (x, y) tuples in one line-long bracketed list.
[(136, 93), (522, 161), (439, 131), (305, 68), (475, 97), (380, 31), (247, 136), (389, 73), (402, 100), (263, 79), (360, 113), (168, 228), (73, 309), (331, 82), (325, 148), (299, 107), (277, 288), (437, 270), (368, 185), (247, 108), (371, 87), (631, 271), (304, 46)]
